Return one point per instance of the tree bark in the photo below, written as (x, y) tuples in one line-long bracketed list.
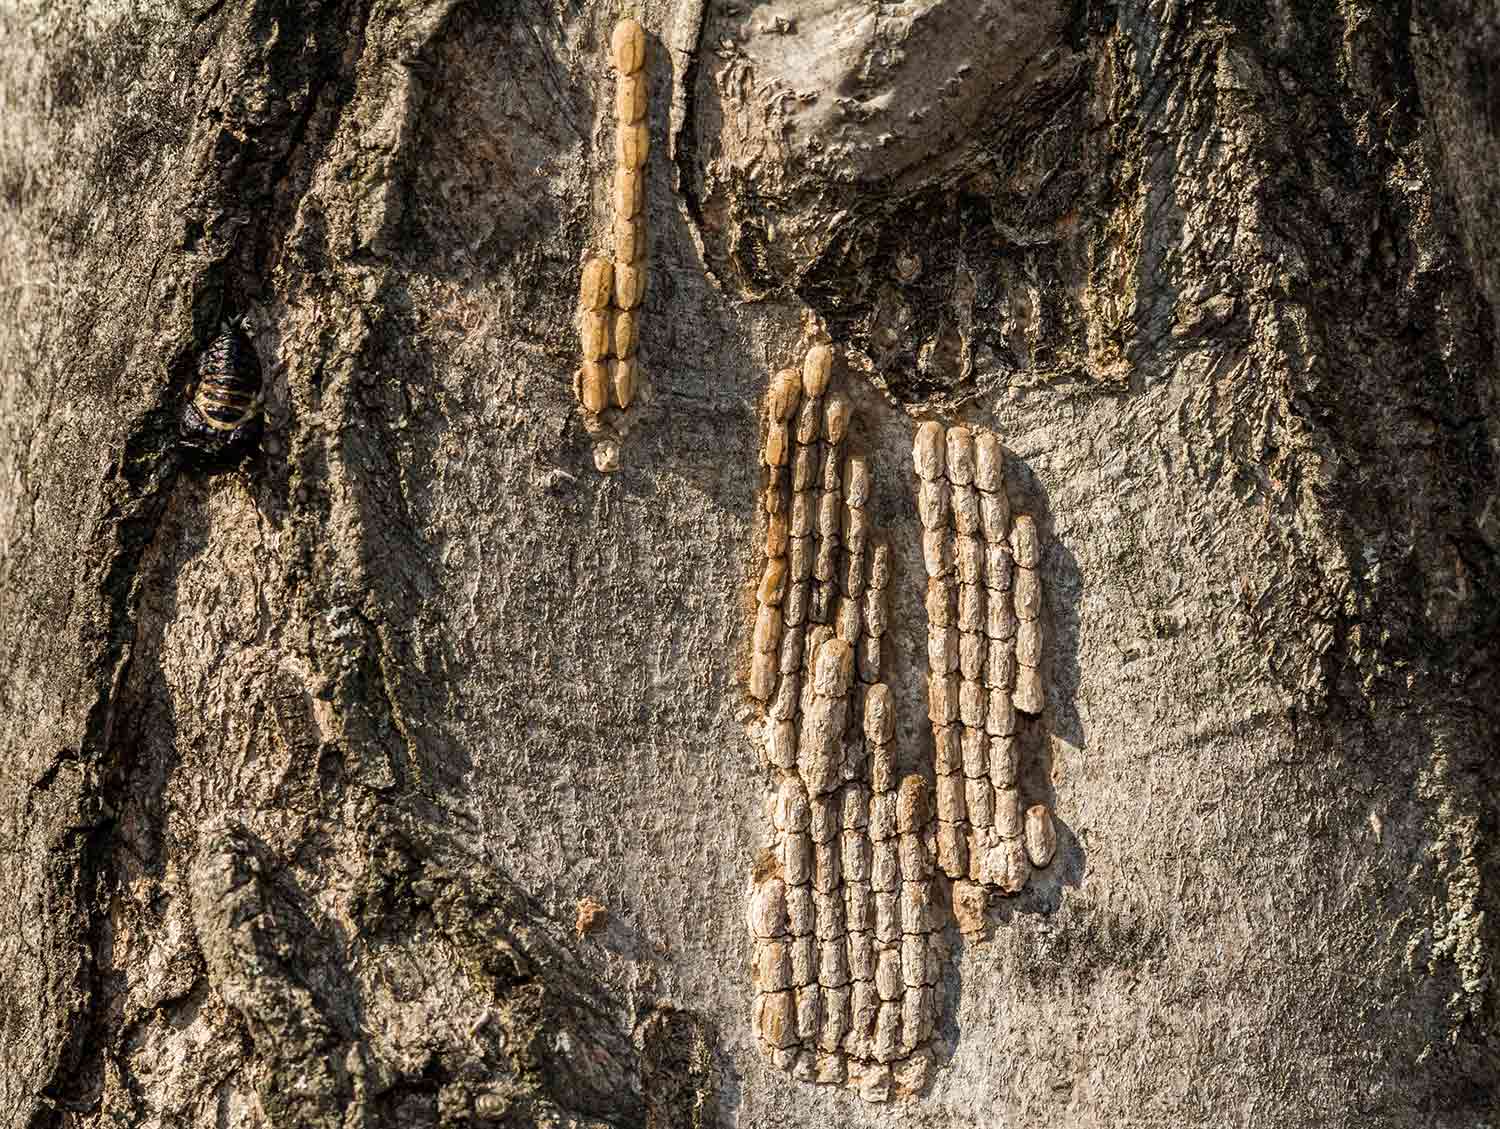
[(306, 761)]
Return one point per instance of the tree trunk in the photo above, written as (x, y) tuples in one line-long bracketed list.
[(309, 754)]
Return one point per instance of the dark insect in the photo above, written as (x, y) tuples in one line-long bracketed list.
[(223, 413)]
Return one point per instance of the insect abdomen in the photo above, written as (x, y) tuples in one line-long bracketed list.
[(228, 392)]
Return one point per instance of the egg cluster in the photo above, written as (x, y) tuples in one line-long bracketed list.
[(611, 292), (849, 907), (984, 646)]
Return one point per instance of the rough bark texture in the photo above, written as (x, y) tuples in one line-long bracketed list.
[(305, 765)]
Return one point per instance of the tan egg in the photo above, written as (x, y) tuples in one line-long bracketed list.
[(979, 798), (817, 367), (912, 811), (631, 94), (804, 462), (629, 193), (937, 552), (883, 816), (867, 657), (1029, 643), (593, 334), (1025, 543), (860, 942), (887, 921), (914, 955), (999, 567), (801, 917), (972, 698), (833, 669), (941, 597), (772, 582), (1000, 718), (775, 451), (828, 905), (970, 555), (888, 1031), (1028, 696), (880, 564), (947, 749), (854, 529), (809, 417), (952, 850), (879, 714), (781, 748), (1028, 594), (776, 535), (1010, 819), (1005, 761), (762, 676), (768, 912), (630, 285), (830, 514), (942, 649), (976, 753), (632, 145), (797, 859), (836, 413), (855, 848), (875, 611), (771, 969), (928, 451), (989, 462), (916, 861), (971, 607), (966, 510), (593, 386), (885, 866), (781, 404), (775, 1018), (994, 517), (768, 630), (852, 575), (627, 47), (950, 798), (594, 287), (630, 237), (809, 1008), (972, 650), (856, 481), (624, 332), (942, 698), (622, 382), (959, 456), (1041, 835), (1000, 664), (933, 498), (999, 620)]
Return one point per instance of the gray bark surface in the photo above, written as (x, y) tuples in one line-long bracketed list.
[(306, 764)]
